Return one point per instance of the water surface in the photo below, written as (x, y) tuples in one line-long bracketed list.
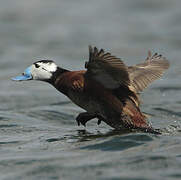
[(39, 138)]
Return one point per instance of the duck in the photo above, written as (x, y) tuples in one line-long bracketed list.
[(107, 89)]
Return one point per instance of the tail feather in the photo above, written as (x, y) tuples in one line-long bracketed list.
[(135, 119)]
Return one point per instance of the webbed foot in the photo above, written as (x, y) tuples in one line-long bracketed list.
[(84, 117)]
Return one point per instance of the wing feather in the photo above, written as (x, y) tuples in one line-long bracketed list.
[(112, 73), (106, 69), (141, 75)]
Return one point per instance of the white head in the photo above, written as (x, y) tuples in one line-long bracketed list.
[(41, 70)]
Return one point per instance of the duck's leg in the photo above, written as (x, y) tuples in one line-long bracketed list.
[(84, 117), (100, 119)]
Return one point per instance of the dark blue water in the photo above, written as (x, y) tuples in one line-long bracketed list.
[(39, 138)]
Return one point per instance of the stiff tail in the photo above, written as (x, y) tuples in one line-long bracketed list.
[(134, 119)]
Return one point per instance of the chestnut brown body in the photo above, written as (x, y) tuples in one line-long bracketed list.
[(109, 90)]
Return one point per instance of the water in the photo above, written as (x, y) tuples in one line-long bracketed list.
[(39, 138)]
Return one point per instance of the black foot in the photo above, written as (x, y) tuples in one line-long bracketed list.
[(99, 122), (100, 119), (83, 118)]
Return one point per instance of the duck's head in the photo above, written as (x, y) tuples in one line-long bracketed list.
[(41, 70)]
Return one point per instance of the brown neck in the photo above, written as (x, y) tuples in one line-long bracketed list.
[(56, 75)]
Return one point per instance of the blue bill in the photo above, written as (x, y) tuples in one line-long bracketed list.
[(25, 76)]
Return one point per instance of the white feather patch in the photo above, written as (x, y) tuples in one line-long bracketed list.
[(51, 67), (44, 71)]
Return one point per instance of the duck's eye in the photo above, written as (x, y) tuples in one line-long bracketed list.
[(37, 66)]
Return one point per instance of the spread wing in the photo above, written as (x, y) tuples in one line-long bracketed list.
[(141, 75), (106, 69)]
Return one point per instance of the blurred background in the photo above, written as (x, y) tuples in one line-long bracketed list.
[(39, 136)]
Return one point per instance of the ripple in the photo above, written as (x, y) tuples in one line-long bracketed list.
[(8, 125), (125, 178), (176, 175), (61, 103), (3, 118), (170, 112), (54, 139), (164, 89), (9, 142), (120, 143), (52, 115)]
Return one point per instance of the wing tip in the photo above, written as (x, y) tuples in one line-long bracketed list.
[(95, 52), (159, 58), (90, 48), (149, 54)]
